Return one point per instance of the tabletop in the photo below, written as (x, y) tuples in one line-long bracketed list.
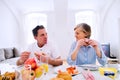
[(95, 73), (51, 73)]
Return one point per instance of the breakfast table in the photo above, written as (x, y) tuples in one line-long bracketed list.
[(52, 73)]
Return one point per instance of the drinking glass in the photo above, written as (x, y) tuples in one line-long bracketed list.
[(42, 60), (40, 71), (44, 63)]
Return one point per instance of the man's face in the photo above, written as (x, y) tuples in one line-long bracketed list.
[(41, 37)]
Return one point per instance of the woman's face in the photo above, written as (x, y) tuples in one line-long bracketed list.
[(79, 33)]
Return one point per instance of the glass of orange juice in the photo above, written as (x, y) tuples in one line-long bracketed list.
[(44, 62)]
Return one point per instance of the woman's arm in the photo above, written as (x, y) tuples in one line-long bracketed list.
[(80, 43), (96, 47), (100, 55)]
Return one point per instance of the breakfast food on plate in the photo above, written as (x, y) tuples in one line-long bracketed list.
[(56, 78), (8, 76), (0, 77), (72, 70), (64, 75)]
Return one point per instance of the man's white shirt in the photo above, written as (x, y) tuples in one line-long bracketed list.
[(48, 48)]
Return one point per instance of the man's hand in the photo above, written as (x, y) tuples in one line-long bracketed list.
[(25, 55), (42, 57)]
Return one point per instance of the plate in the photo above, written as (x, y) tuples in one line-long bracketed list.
[(63, 68), (5, 67), (91, 67)]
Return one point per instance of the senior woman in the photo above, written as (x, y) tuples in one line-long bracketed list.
[(85, 50)]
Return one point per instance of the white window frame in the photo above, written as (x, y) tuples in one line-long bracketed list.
[(89, 17), (31, 21)]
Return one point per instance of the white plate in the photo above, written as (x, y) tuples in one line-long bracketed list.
[(4, 67), (64, 67), (91, 67)]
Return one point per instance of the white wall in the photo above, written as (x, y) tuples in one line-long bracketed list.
[(60, 28), (8, 27), (110, 28), (61, 22)]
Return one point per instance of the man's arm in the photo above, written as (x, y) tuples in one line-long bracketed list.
[(55, 62), (20, 62)]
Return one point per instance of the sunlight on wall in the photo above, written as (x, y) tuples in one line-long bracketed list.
[(31, 21)]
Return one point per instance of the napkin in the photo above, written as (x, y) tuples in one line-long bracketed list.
[(88, 75)]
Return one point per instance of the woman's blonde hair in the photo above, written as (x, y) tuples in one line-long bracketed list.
[(85, 28)]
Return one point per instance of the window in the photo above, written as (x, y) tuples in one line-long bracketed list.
[(31, 21), (106, 49), (88, 17)]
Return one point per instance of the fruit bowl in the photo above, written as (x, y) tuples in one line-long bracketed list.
[(32, 70)]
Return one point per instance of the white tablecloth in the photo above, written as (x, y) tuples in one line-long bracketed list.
[(96, 74), (52, 73)]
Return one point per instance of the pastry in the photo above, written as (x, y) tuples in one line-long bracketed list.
[(56, 78), (64, 75)]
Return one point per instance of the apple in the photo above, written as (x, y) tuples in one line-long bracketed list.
[(28, 74), (39, 71), (31, 62)]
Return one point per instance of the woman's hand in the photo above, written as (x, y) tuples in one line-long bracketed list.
[(95, 46), (93, 43), (81, 42)]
